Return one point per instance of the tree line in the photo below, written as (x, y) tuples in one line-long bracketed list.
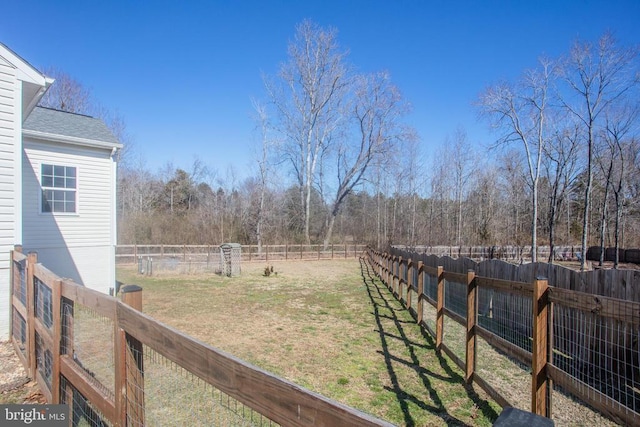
[(337, 162)]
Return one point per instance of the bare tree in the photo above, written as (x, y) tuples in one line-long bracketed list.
[(309, 103), (67, 94), (621, 146), (560, 163), (520, 113), (264, 166), (461, 158), (377, 109), (596, 76)]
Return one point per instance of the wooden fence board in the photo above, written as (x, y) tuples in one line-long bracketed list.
[(626, 311), (518, 288), (102, 304), (99, 396)]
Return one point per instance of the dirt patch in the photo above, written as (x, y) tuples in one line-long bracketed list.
[(15, 386)]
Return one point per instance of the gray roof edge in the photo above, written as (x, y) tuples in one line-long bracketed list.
[(54, 137)]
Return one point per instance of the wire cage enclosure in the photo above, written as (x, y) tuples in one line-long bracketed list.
[(230, 257)]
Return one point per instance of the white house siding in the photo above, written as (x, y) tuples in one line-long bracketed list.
[(10, 128), (80, 246)]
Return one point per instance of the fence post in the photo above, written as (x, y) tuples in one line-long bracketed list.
[(410, 268), (539, 351), (420, 310), (440, 309), (32, 260), (471, 326), (396, 281), (385, 269), (133, 380)]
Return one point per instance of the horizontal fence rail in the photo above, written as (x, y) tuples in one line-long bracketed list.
[(585, 344), (193, 258), (116, 366)]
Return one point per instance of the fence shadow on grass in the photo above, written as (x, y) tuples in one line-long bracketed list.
[(380, 300)]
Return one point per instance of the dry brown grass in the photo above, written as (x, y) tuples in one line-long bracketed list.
[(330, 327)]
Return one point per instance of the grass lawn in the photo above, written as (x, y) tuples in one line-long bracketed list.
[(328, 326)]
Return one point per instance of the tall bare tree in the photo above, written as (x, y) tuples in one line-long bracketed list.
[(597, 77), (267, 145), (560, 164), (462, 159), (377, 109), (309, 100), (622, 147), (519, 112)]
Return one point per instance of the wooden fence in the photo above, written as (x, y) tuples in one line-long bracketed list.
[(586, 344), (96, 353), (511, 253), (523, 253), (210, 254), (620, 284)]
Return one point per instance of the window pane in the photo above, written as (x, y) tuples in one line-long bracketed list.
[(71, 183), (58, 170), (70, 206), (58, 182), (47, 170), (70, 172), (46, 207), (58, 206), (47, 181)]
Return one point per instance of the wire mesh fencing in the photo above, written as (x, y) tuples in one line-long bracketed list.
[(83, 412), (88, 339), (506, 315), (584, 346), (430, 297), (19, 291), (167, 395), (600, 355)]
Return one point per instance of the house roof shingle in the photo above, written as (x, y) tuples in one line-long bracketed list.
[(62, 123)]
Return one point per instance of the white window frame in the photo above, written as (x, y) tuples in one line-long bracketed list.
[(60, 183)]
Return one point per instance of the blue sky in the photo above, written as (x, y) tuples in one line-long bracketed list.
[(182, 74)]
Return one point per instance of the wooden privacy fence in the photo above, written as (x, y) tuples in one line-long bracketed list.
[(583, 343), (506, 252), (620, 284), (523, 253), (117, 366)]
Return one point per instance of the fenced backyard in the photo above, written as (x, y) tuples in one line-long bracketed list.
[(114, 365), (572, 343)]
